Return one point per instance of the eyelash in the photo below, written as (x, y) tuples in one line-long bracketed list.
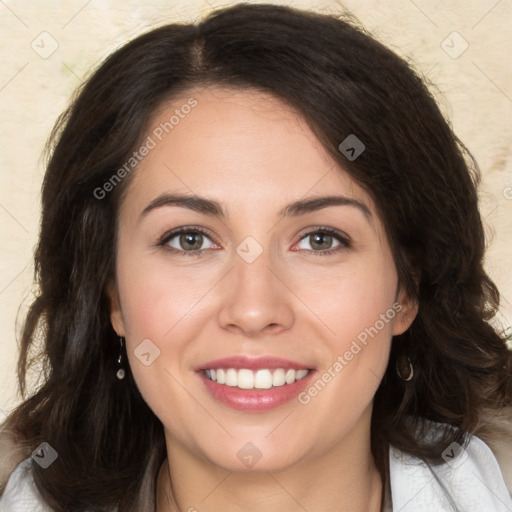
[(186, 229), (344, 240)]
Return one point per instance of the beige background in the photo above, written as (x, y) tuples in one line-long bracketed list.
[(474, 88)]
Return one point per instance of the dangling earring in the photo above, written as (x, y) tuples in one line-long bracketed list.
[(120, 370), (401, 363)]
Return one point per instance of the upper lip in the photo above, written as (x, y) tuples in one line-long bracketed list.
[(252, 363)]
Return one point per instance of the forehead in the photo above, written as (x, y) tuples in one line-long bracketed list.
[(238, 146)]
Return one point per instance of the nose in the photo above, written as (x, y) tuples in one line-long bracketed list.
[(255, 299)]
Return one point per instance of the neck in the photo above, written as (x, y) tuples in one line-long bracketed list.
[(343, 480)]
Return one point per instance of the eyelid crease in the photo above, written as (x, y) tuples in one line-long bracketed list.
[(330, 231), (184, 229), (169, 235), (345, 242), (343, 238)]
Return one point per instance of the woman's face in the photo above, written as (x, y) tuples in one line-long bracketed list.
[(230, 248)]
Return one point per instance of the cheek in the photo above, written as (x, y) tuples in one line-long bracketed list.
[(361, 309), (158, 306), (356, 304), (354, 299), (357, 309), (155, 297)]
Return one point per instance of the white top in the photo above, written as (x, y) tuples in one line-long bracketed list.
[(471, 480), (20, 494)]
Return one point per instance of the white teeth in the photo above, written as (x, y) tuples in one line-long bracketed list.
[(278, 377), (245, 379), (263, 379), (300, 374), (231, 377), (260, 379), (290, 376)]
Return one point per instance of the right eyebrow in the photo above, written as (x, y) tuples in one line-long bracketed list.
[(215, 209), (195, 203)]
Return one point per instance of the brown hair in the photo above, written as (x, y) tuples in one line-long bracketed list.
[(421, 177)]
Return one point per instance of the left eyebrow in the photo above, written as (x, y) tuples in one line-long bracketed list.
[(311, 205), (215, 209)]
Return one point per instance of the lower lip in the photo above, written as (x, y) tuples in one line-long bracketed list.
[(255, 400)]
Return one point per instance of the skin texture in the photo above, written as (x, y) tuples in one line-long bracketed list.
[(254, 155)]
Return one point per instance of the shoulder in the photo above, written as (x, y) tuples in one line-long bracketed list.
[(477, 476), (20, 493), (495, 429)]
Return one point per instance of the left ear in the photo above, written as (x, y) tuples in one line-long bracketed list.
[(116, 315), (407, 309)]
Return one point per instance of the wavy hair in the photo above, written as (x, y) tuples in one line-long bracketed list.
[(421, 177)]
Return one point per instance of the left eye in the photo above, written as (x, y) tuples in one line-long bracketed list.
[(320, 240), (194, 242), (189, 241)]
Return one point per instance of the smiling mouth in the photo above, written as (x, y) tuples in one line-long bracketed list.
[(258, 379)]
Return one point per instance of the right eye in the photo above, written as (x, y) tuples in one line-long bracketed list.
[(187, 240)]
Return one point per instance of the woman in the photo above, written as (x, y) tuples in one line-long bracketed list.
[(261, 280)]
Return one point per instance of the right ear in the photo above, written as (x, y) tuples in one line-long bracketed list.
[(116, 314), (408, 309)]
